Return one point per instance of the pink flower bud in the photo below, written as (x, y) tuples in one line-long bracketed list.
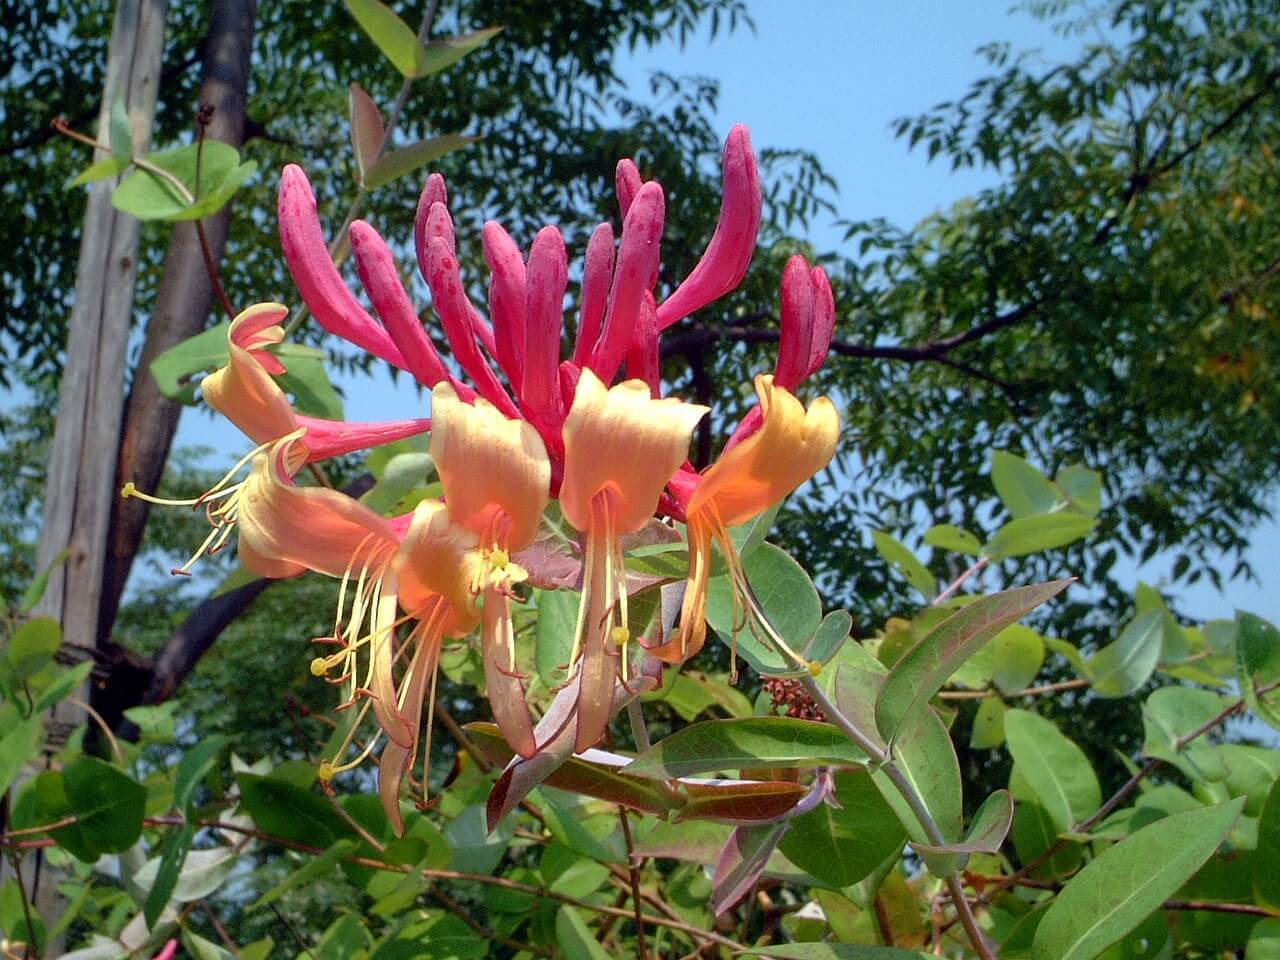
[(433, 192), (797, 323), (597, 272), (626, 178), (454, 309), (506, 299), (544, 309), (321, 286), (637, 264), (725, 261), (824, 319), (643, 357), (381, 280)]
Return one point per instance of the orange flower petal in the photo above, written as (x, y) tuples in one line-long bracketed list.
[(243, 390), (312, 527), (491, 467), (791, 445), (439, 558), (624, 441)]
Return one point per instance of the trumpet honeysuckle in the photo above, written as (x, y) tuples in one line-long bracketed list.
[(790, 445), (244, 392), (516, 419), (422, 563), (621, 449), (496, 479)]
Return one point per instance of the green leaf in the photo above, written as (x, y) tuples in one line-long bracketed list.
[(750, 742), (743, 860), (1034, 833), (842, 845), (391, 35), (102, 169), (149, 196), (1174, 645), (367, 130), (557, 617), (314, 868), (159, 877), (63, 685), (1266, 878), (1036, 533), (1083, 488), (987, 831), (13, 921), (1257, 663), (923, 751), (788, 597), (108, 804), (1172, 713), (564, 826), (119, 129), (475, 848), (1121, 668), (1118, 890), (32, 646), (922, 670), (897, 554), (193, 766), (19, 743), (307, 378), (575, 937), (174, 369), (1023, 489), (396, 163), (157, 722), (988, 724), (1056, 769), (201, 873), (285, 810), (401, 474), (944, 536), (440, 54), (833, 951), (1264, 941), (1010, 660), (829, 637), (36, 588)]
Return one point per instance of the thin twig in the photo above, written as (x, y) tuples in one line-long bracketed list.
[(634, 871), (26, 906), (977, 567), (487, 933), (220, 929), (1025, 692)]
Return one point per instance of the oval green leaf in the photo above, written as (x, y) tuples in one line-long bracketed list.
[(751, 742), (1036, 533), (922, 670), (1118, 890), (897, 554), (1121, 668), (1056, 769)]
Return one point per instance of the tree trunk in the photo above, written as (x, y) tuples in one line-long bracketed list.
[(182, 305), (80, 488)]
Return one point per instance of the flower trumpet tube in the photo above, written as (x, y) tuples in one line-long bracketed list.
[(496, 479), (621, 448), (791, 445), (433, 573)]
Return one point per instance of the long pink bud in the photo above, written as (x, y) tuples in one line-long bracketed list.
[(627, 181), (597, 271), (544, 310), (433, 192), (725, 261), (637, 264), (643, 357), (506, 299), (321, 286), (454, 308), (824, 319), (797, 323), (382, 282)]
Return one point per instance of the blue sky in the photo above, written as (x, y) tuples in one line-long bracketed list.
[(831, 77)]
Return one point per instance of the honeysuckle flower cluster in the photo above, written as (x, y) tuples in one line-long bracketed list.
[(513, 425)]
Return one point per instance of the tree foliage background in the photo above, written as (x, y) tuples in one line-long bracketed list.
[(1111, 302)]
